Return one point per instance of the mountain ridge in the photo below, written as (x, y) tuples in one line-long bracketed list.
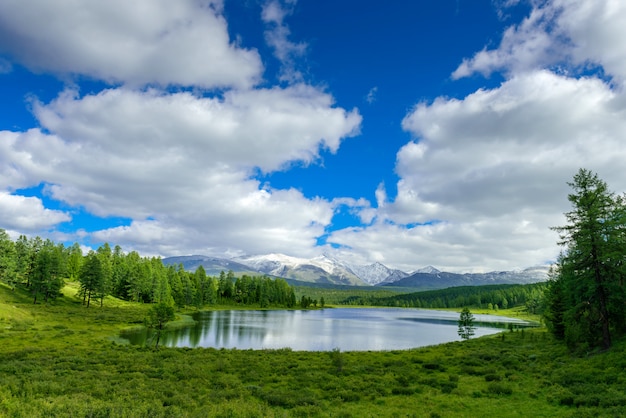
[(325, 269)]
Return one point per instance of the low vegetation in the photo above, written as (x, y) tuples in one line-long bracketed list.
[(62, 359)]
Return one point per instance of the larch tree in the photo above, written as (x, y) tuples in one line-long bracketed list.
[(585, 299), (158, 316), (8, 265), (466, 324), (91, 277)]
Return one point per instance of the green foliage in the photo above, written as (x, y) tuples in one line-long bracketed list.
[(46, 278), (91, 277), (586, 295), (338, 360), (487, 297), (158, 316), (7, 258), (42, 267), (466, 324), (58, 360)]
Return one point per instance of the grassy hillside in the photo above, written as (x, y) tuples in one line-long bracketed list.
[(62, 360)]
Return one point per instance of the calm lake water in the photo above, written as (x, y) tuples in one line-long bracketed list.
[(349, 329)]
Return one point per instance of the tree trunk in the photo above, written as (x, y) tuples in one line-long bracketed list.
[(602, 299), (158, 338)]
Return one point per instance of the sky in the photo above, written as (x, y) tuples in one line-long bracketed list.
[(407, 132)]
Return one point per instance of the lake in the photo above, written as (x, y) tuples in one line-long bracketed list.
[(349, 329)]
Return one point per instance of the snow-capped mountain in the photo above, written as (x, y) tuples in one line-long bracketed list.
[(327, 269), (427, 270), (322, 269), (440, 279), (212, 265), (377, 273)]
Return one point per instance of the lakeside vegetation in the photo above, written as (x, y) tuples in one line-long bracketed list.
[(62, 359)]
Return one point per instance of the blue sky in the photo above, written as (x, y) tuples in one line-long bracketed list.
[(410, 133)]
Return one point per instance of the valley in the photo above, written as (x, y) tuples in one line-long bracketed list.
[(62, 359)]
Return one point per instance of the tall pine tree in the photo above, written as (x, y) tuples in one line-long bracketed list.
[(586, 295)]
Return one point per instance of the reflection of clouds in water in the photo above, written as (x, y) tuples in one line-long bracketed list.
[(349, 329)]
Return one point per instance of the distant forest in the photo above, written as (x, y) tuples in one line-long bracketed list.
[(501, 296), (42, 267)]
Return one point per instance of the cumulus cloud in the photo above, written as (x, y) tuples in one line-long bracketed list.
[(180, 165), (486, 180), (485, 177), (27, 213), (140, 42), (479, 185), (559, 33), (263, 128)]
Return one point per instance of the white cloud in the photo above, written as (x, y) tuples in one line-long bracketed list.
[(264, 128), (560, 33), (479, 186), (27, 213), (231, 224), (184, 42), (277, 37), (371, 95), (5, 66), (487, 176), (179, 165)]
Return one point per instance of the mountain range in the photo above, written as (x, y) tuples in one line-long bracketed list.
[(331, 271)]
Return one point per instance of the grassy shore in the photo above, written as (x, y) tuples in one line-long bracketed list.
[(63, 360)]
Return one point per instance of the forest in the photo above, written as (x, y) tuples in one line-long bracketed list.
[(491, 297), (42, 267)]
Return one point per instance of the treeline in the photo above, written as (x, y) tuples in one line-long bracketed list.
[(485, 297), (42, 267)]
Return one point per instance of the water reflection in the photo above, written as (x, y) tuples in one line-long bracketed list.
[(349, 329)]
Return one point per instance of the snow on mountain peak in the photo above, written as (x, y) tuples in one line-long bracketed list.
[(427, 270)]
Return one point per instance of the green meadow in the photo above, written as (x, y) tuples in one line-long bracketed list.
[(64, 360)]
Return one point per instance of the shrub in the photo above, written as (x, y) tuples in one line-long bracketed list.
[(493, 378), (433, 366), (402, 391), (448, 387), (499, 389)]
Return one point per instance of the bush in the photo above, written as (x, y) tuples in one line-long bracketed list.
[(433, 366), (493, 378), (448, 387), (402, 391), (499, 389)]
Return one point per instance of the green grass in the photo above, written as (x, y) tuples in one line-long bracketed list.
[(59, 361)]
